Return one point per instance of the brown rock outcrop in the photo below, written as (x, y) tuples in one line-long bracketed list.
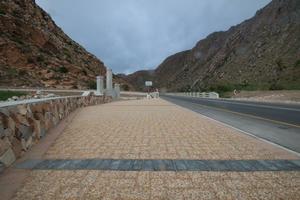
[(34, 52), (260, 53)]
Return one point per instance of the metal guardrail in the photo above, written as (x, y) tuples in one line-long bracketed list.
[(211, 95)]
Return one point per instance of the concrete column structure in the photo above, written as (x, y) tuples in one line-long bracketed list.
[(109, 85), (100, 88), (117, 90)]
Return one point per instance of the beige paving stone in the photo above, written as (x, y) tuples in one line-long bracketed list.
[(143, 185), (156, 129)]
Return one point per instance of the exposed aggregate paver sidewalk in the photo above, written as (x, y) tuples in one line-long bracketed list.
[(157, 129)]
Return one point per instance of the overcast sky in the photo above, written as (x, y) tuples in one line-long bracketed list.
[(130, 35)]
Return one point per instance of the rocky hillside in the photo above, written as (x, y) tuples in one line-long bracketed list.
[(137, 79), (260, 53), (34, 52)]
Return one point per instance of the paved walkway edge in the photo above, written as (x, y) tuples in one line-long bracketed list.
[(242, 131), (256, 137)]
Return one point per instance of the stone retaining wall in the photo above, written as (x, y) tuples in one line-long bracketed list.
[(23, 125)]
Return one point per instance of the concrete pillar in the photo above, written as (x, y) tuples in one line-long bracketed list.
[(109, 85), (117, 90), (100, 88)]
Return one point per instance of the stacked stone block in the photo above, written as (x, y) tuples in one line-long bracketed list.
[(23, 125)]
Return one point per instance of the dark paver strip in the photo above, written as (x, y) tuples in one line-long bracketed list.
[(94, 164), (180, 165), (125, 165), (137, 165), (236, 166), (148, 165), (197, 165), (114, 165), (162, 165)]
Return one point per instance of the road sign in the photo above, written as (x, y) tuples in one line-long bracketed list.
[(148, 83)]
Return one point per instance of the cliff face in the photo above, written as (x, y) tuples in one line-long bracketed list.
[(260, 53), (34, 52)]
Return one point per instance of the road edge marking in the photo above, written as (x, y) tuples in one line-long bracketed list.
[(247, 103), (247, 115), (237, 129), (255, 136)]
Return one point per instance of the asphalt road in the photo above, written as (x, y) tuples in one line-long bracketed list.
[(277, 123)]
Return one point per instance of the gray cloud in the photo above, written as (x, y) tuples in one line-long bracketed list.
[(129, 35)]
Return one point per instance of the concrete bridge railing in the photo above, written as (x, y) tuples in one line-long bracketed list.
[(212, 95)]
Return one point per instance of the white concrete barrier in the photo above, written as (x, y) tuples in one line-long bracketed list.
[(212, 95)]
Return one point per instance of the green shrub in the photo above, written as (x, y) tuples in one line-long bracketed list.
[(297, 63), (221, 88), (4, 95), (18, 40), (57, 77), (25, 49), (92, 84), (276, 86), (30, 60), (2, 12), (84, 72), (63, 70), (16, 13), (40, 58), (125, 87), (66, 52), (22, 72), (12, 72)]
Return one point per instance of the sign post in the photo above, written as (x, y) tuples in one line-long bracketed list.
[(148, 84)]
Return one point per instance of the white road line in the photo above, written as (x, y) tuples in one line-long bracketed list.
[(247, 104), (252, 135)]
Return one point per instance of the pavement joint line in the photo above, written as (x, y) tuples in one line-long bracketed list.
[(248, 115), (162, 165), (240, 130)]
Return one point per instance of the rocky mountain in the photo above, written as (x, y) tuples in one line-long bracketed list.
[(260, 53), (35, 52), (137, 79)]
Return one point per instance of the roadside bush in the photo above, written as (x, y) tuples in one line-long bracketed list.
[(125, 87), (63, 70), (57, 77), (30, 60), (221, 88), (40, 58), (2, 12), (84, 72), (12, 72), (22, 72), (15, 13), (92, 84), (18, 40), (276, 86), (4, 95), (297, 63)]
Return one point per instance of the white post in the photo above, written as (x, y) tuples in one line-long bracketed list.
[(109, 86), (99, 86), (117, 90)]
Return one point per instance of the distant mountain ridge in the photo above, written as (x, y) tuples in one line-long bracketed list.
[(35, 52), (260, 53), (137, 79)]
